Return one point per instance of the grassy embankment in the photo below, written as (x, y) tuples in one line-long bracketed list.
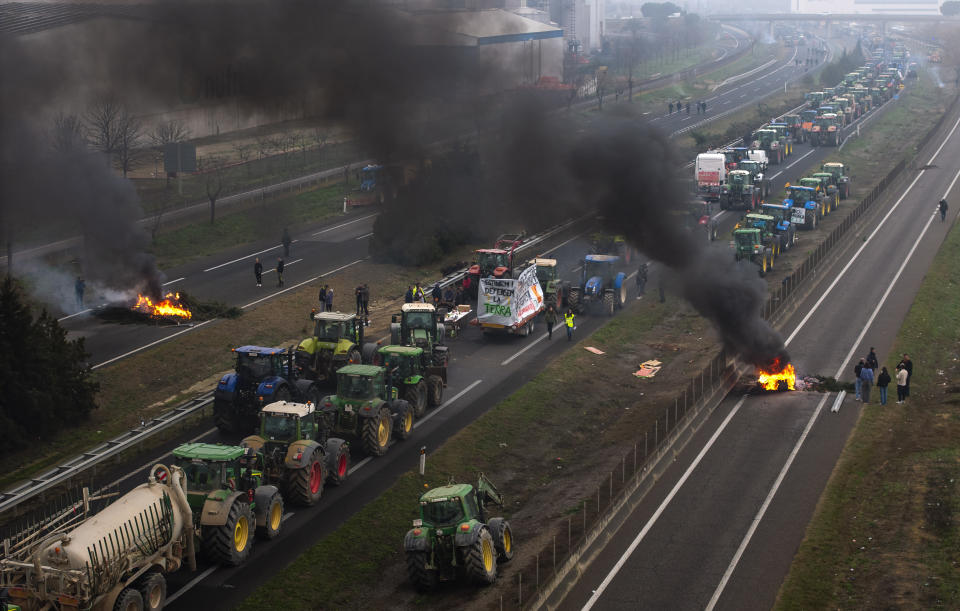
[(886, 532)]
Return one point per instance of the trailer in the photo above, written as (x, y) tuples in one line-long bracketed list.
[(505, 305)]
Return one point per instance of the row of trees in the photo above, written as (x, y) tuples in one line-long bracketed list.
[(47, 383)]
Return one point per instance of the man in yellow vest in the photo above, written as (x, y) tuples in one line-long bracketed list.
[(568, 319)]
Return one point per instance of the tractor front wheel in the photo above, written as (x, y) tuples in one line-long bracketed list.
[(376, 433), (502, 538), (403, 419), (273, 514), (416, 395), (422, 578), (480, 560), (230, 544), (608, 303), (435, 386), (338, 461), (305, 485)]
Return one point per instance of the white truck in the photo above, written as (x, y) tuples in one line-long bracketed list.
[(710, 172), (505, 305)]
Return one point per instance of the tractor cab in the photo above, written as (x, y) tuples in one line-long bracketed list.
[(209, 468), (547, 272), (737, 180), (798, 195), (335, 327), (336, 341), (815, 183), (781, 214), (286, 422), (360, 383), (446, 508), (599, 271), (495, 262), (763, 222), (256, 363), (747, 242), (401, 363)]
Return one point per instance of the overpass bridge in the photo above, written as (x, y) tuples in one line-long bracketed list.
[(881, 19)]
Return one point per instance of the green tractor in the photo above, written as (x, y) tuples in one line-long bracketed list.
[(748, 245), (555, 290), (228, 499), (783, 223), (337, 341), (769, 140), (420, 386), (821, 195), (840, 177), (739, 191), (767, 224), (453, 538), (296, 456), (826, 131), (830, 188), (367, 408), (419, 325)]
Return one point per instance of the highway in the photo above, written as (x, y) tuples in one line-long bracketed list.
[(719, 531)]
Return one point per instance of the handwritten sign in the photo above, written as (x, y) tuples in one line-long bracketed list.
[(507, 302)]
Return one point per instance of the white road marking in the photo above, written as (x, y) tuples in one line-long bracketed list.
[(295, 286), (866, 242), (810, 152), (362, 218), (777, 174), (366, 235), (190, 584), (287, 516), (285, 266), (447, 403), (172, 281), (527, 347), (151, 344), (75, 314), (763, 508), (656, 515), (245, 258)]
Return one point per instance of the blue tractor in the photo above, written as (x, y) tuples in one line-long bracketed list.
[(601, 284), (260, 377)]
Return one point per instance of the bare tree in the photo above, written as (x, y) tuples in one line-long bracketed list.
[(600, 80), (67, 133), (114, 131), (264, 146), (243, 151), (169, 132), (321, 135), (213, 168)]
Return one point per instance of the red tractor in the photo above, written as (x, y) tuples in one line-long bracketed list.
[(497, 261)]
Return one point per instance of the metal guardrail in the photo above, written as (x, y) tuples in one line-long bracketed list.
[(102, 452), (77, 465)]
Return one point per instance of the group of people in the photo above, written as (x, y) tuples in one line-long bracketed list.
[(258, 271), (552, 317), (865, 373), (362, 293), (701, 107)]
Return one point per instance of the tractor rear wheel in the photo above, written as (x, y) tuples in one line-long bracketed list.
[(354, 357), (282, 394), (435, 386), (422, 578), (338, 461), (230, 544), (608, 303), (573, 299), (502, 538), (130, 599), (403, 419), (480, 560), (224, 416), (416, 395), (305, 485), (153, 590), (376, 433), (274, 518)]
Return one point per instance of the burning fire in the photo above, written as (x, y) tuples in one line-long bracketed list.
[(170, 306), (772, 379)]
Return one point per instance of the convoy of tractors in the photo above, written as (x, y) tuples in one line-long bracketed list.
[(302, 409)]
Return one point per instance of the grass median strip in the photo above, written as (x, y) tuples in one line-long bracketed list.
[(886, 531)]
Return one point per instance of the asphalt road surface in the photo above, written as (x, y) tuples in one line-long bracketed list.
[(720, 530)]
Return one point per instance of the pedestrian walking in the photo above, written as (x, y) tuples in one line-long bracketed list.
[(550, 317), (408, 296), (704, 107), (286, 243), (670, 106), (568, 320), (258, 271), (883, 380), (902, 378), (365, 304), (322, 297), (943, 210), (641, 280), (856, 376), (358, 294), (688, 109), (78, 287), (872, 361), (279, 272), (866, 382), (329, 298), (908, 366)]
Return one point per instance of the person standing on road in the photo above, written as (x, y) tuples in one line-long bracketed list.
[(641, 280), (358, 293), (857, 383), (908, 367), (322, 297), (258, 271), (365, 304), (872, 361), (568, 320), (688, 109), (78, 287), (704, 107), (436, 294), (408, 296), (286, 243), (279, 272), (670, 106), (329, 298), (943, 210), (550, 317), (902, 378), (866, 381), (883, 380)]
